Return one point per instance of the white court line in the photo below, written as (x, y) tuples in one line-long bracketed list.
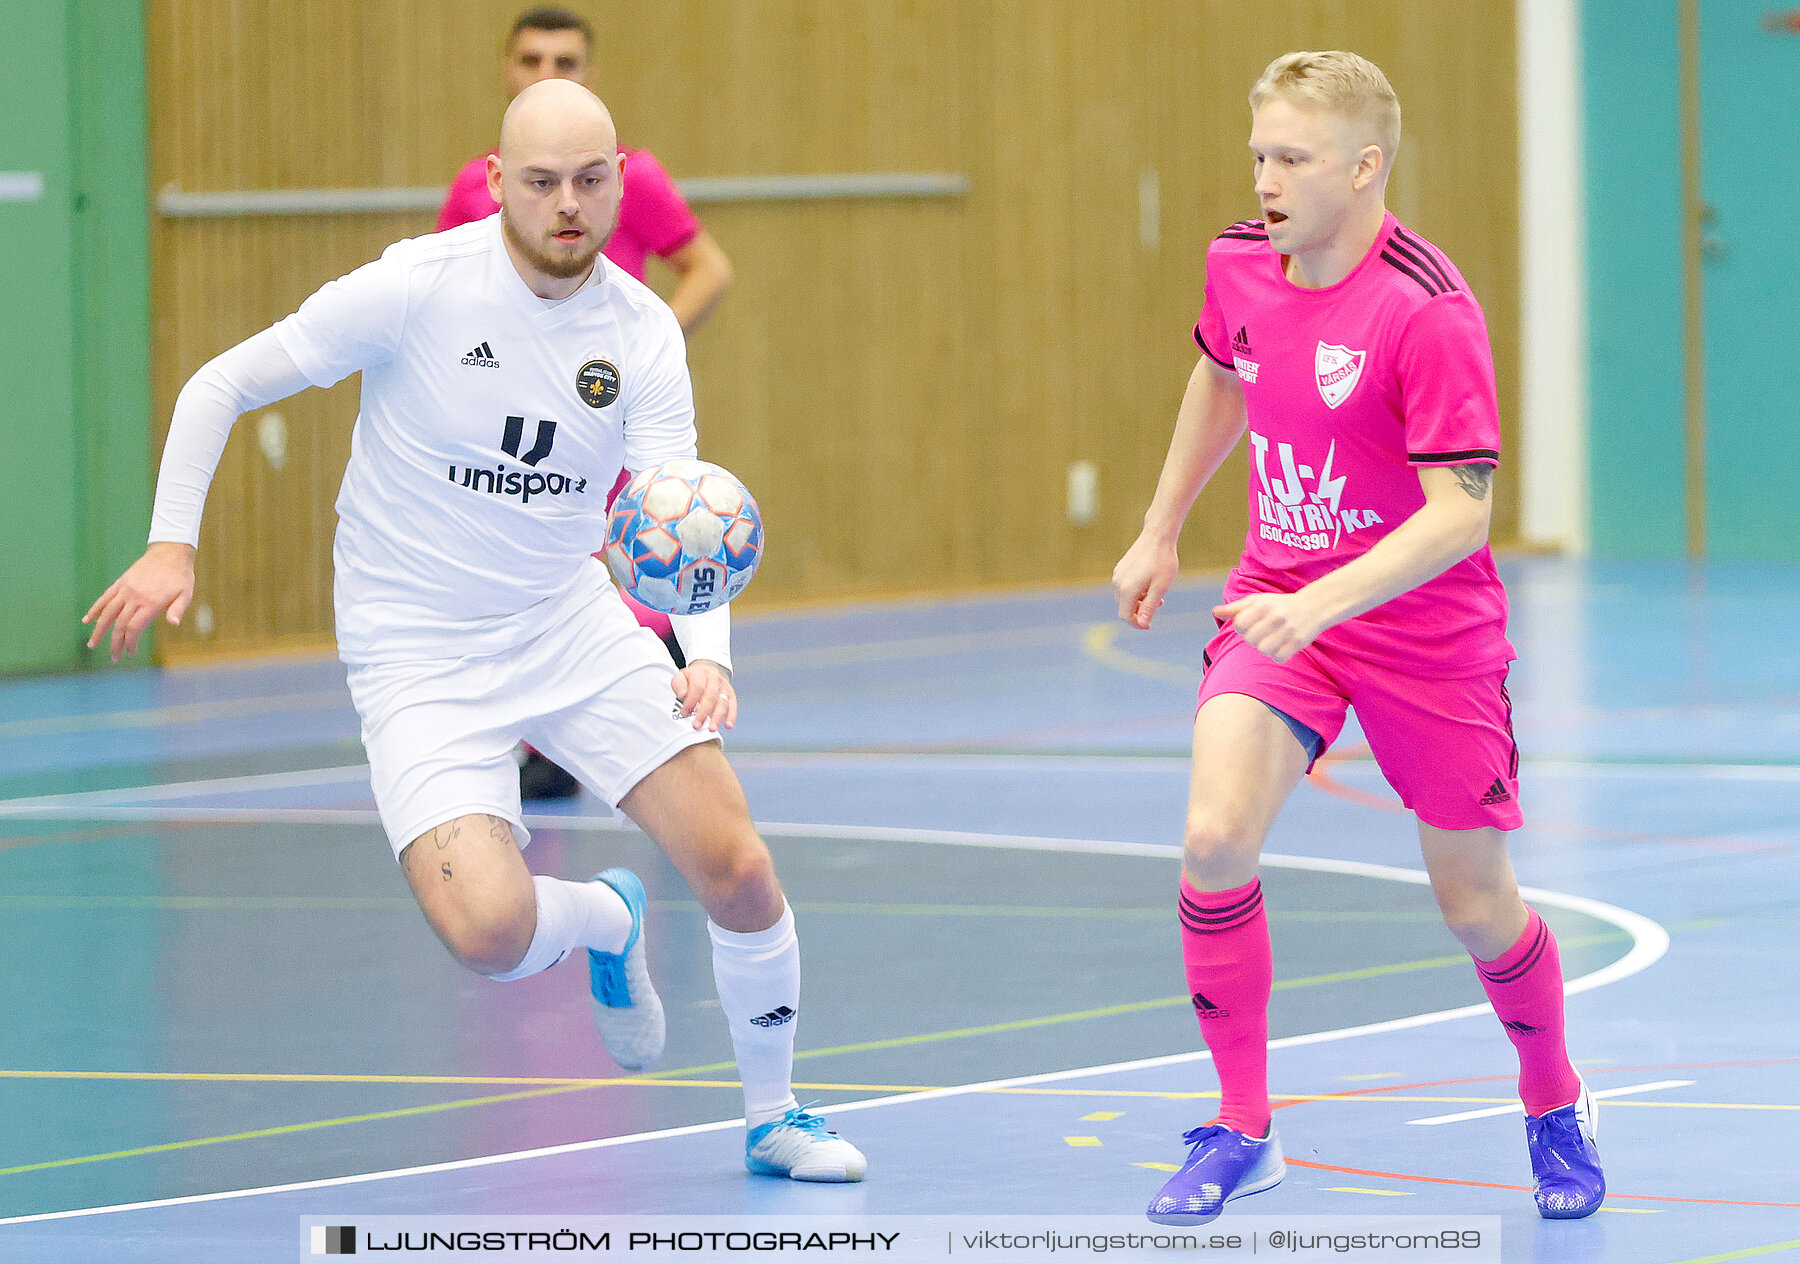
[(1517, 1107), (69, 803), (1649, 942), (128, 795), (174, 713)]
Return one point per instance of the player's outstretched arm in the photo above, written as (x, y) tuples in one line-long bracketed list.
[(1452, 524), (257, 371), (1211, 421), (160, 581)]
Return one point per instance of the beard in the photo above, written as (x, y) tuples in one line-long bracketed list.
[(565, 262)]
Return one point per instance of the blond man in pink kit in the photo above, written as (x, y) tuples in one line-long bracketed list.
[(654, 219), (1352, 353)]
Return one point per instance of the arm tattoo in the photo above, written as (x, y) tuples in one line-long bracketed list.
[(446, 868), (1475, 479)]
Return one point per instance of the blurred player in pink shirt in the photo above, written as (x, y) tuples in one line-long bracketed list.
[(1351, 352), (654, 219)]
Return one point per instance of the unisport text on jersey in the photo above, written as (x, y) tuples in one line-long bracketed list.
[(523, 484)]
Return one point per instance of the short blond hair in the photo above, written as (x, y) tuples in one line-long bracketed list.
[(1349, 86)]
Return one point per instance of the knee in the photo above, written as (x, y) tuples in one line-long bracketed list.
[(740, 870), (1485, 924), (490, 938), (741, 891), (1219, 852)]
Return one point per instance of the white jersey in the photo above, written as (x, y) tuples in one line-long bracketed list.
[(493, 425)]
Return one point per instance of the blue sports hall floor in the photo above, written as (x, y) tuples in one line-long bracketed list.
[(223, 1012)]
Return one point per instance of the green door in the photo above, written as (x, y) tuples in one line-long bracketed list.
[(1750, 184)]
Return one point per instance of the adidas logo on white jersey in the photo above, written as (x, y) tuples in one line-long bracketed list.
[(482, 357)]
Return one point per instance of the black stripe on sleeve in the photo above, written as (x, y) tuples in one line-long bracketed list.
[(1455, 458), (1224, 364), (1246, 236), (1430, 287), (1430, 255), (1423, 263)]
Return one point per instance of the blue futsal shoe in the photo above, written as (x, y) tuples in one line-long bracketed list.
[(627, 1010), (1223, 1165), (800, 1147), (1565, 1161)]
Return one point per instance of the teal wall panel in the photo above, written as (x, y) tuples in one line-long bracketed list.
[(38, 510), (1636, 433), (110, 125), (74, 320), (1749, 125)]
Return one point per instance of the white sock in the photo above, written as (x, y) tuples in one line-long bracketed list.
[(758, 976), (571, 915)]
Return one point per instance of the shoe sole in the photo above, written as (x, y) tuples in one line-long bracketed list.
[(828, 1175), (1581, 1213), (1243, 1191)]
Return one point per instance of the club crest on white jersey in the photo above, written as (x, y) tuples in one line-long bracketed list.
[(1338, 370)]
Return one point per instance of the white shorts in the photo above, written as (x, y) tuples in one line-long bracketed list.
[(592, 694)]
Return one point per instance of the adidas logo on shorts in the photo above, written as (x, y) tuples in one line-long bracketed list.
[(1496, 793)]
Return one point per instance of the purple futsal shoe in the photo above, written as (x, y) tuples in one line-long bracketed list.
[(1565, 1161), (1223, 1165)]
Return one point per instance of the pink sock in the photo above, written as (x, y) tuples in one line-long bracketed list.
[(1526, 986), (1230, 969)]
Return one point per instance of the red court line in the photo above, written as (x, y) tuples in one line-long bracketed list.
[(1479, 1079), (1444, 1180), (1703, 1066), (1321, 777), (1393, 1088)]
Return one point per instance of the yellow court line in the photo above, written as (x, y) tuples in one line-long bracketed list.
[(671, 1076), (286, 1128), (896, 1042), (1098, 643), (573, 1086), (256, 1077), (646, 1081), (1111, 1011), (259, 1077), (1745, 1254)]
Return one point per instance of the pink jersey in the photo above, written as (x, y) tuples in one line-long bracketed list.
[(654, 219), (1351, 389)]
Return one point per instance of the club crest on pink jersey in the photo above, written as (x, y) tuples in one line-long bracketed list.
[(1338, 370)]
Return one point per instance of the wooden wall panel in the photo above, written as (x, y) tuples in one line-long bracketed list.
[(903, 384)]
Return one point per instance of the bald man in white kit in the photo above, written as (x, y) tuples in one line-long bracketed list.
[(509, 373)]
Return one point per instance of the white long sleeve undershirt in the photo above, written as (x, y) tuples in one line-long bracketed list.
[(255, 373), (705, 636)]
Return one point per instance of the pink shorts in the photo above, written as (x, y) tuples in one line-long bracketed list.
[(1445, 746)]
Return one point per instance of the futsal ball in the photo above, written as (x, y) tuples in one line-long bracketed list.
[(684, 537)]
